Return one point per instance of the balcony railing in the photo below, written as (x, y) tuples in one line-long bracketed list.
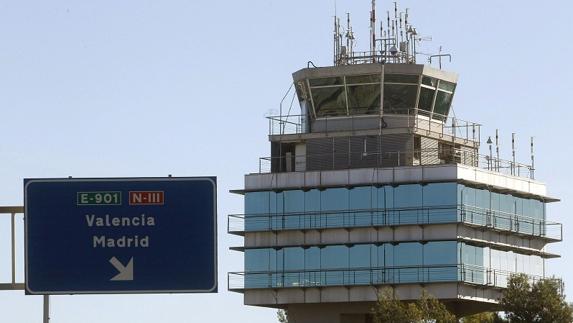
[(470, 215), (372, 159), (470, 274), (413, 119)]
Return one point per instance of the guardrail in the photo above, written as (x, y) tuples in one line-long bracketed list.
[(495, 220), (470, 274)]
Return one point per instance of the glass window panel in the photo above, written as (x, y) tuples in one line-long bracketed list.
[(334, 257), (495, 200), (442, 107), (441, 253), (329, 101), (335, 202), (357, 79), (294, 207), (257, 260), (257, 211), (467, 195), (429, 81), (482, 198), (426, 101), (407, 197), (361, 205), (293, 261), (312, 207), (442, 258), (399, 99), (388, 254), (312, 258), (440, 194), (277, 210), (360, 256), (258, 281), (401, 78), (312, 265), (326, 81), (442, 200), (447, 86), (293, 258), (364, 99), (408, 254), (256, 203)]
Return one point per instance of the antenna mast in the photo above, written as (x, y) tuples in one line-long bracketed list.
[(373, 31), (395, 44)]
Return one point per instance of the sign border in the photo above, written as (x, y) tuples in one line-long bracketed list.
[(211, 179)]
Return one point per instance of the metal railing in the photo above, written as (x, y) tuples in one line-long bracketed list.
[(470, 274), (415, 119), (471, 215), (366, 159)]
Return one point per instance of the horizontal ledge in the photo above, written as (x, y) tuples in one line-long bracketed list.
[(17, 286), (11, 209)]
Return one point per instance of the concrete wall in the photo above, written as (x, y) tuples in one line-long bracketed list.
[(396, 175)]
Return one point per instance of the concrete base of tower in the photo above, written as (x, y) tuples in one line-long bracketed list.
[(350, 304)]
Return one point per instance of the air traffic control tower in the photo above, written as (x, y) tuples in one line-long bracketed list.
[(375, 185)]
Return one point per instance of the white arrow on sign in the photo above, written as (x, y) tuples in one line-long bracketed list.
[(125, 272)]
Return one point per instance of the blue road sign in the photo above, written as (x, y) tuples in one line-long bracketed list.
[(120, 235)]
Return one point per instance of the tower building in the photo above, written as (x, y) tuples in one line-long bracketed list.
[(374, 184)]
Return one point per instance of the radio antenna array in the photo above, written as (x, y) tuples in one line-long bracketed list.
[(396, 43)]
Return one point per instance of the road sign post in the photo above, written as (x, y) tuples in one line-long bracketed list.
[(120, 235)]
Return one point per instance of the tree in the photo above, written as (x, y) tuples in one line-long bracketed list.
[(538, 302), (485, 317), (282, 316), (432, 310), (389, 309)]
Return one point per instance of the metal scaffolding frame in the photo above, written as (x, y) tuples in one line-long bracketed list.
[(13, 285)]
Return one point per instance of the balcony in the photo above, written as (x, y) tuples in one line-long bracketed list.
[(468, 274), (238, 224)]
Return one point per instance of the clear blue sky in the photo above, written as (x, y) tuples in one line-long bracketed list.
[(150, 88)]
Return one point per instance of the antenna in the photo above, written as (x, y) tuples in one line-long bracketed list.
[(397, 40), (373, 31), (336, 42), (497, 149), (513, 153), (532, 170)]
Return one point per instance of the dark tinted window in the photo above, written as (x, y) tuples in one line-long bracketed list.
[(399, 98)]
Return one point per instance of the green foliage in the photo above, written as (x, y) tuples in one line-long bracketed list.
[(390, 309), (282, 316), (540, 302), (486, 317)]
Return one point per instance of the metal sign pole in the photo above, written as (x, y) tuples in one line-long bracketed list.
[(46, 309)]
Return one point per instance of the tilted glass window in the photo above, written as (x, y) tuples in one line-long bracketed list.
[(401, 78), (361, 79), (442, 106), (399, 98), (364, 99), (329, 101), (429, 81), (426, 101), (326, 81)]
